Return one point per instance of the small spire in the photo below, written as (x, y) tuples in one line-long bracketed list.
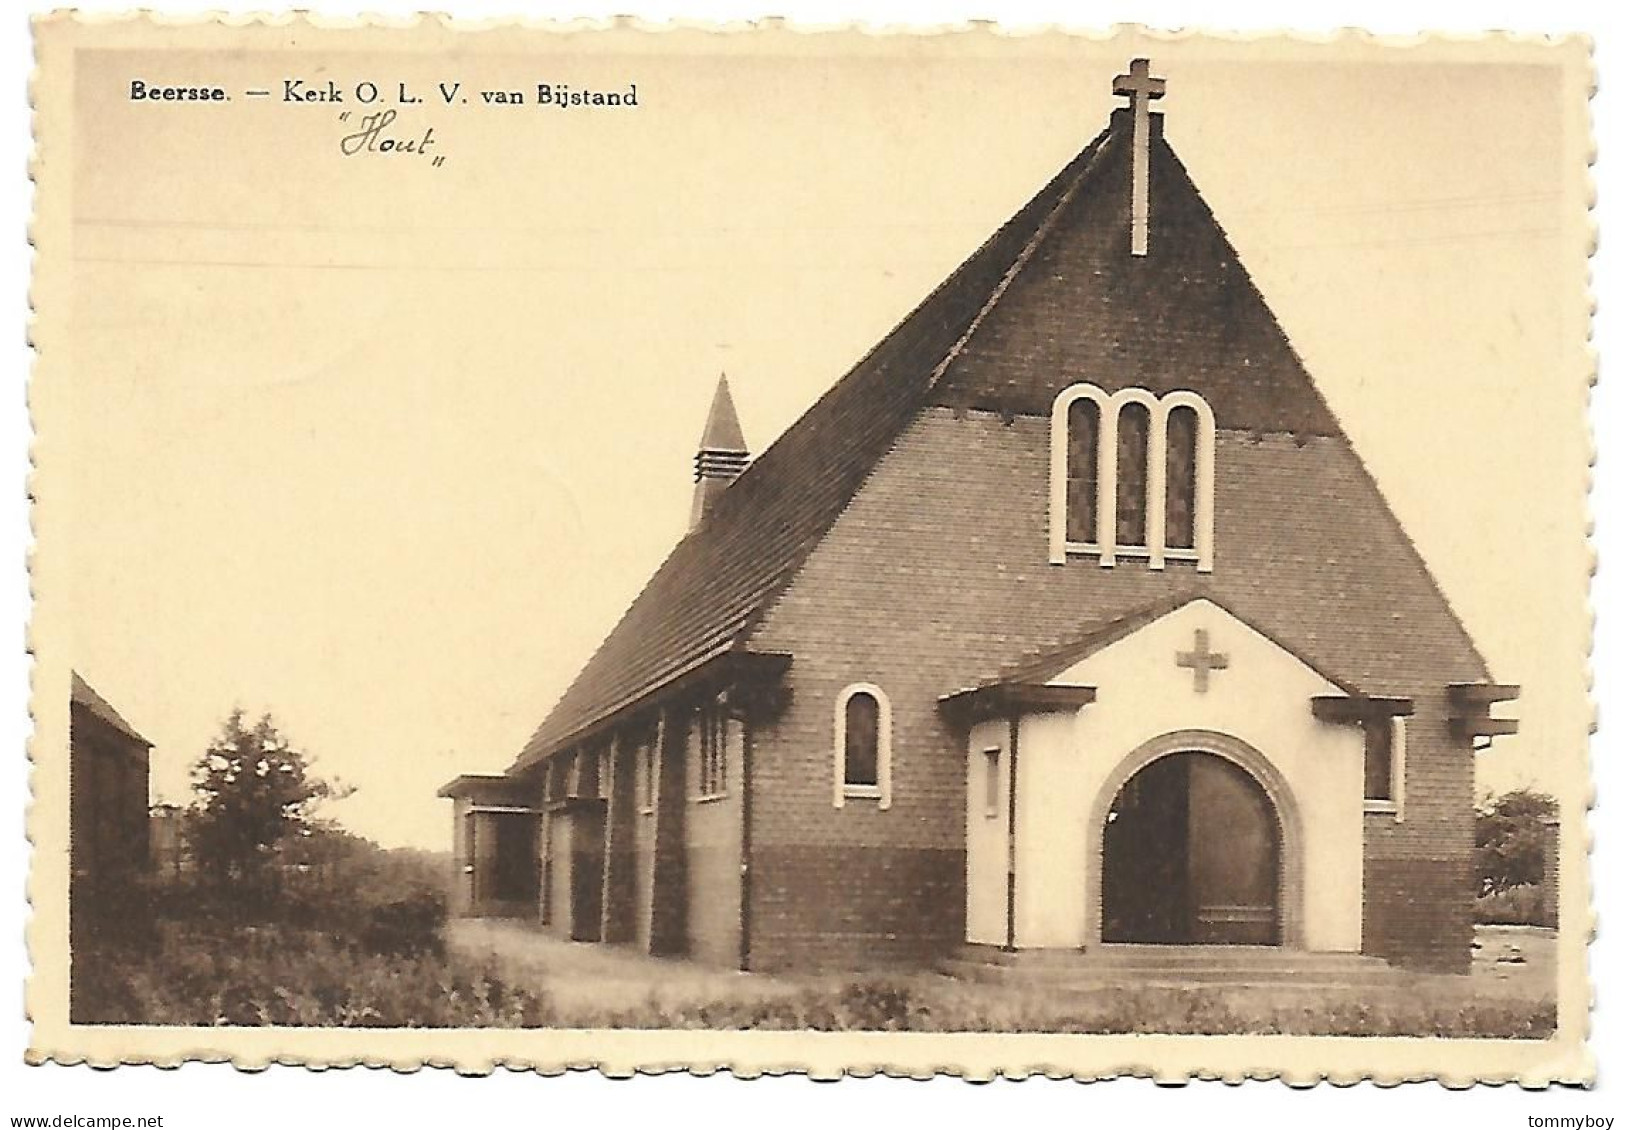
[(722, 457), (722, 425)]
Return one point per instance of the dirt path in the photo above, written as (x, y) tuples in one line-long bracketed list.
[(586, 978)]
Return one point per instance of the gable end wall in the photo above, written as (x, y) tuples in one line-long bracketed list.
[(937, 574)]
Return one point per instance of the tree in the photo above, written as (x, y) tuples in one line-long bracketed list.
[(255, 792), (1509, 842)]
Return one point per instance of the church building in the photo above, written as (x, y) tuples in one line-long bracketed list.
[(1067, 619)]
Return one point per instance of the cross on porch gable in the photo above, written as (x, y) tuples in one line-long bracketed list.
[(1140, 88), (1201, 660)]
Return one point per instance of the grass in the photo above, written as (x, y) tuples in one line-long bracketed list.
[(591, 986), (290, 976), (358, 946), (337, 952), (926, 1004)]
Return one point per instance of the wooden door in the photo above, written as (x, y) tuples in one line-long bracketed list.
[(1234, 856)]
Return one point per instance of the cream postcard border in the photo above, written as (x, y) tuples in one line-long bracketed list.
[(1563, 1058)]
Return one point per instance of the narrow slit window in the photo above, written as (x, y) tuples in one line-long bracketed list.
[(862, 752), (713, 751), (1181, 494), (649, 768), (1133, 460), (990, 780), (558, 777), (1379, 759), (1083, 472), (587, 772)]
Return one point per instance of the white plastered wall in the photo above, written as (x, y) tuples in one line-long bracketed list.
[(1065, 761), (986, 837)]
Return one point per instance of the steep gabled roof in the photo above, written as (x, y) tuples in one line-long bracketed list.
[(1186, 316), (1044, 664), (85, 697), (701, 600), (1054, 297)]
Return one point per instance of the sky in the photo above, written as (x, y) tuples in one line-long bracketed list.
[(385, 447)]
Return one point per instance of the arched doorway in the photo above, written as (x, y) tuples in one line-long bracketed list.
[(1191, 854)]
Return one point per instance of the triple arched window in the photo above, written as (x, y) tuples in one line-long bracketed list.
[(1131, 476)]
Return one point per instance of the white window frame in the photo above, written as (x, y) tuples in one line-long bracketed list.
[(1155, 552), (881, 790), (1395, 804), (1105, 467)]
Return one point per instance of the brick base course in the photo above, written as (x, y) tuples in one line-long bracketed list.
[(818, 906), (1418, 913)]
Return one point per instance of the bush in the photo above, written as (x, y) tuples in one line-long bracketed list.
[(875, 1006), (387, 902), (407, 926), (1510, 839), (1515, 906), (121, 913), (279, 975), (341, 933)]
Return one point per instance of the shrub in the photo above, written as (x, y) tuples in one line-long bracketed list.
[(1515, 906), (1509, 839), (278, 975), (411, 925), (874, 1006), (121, 914), (390, 902)]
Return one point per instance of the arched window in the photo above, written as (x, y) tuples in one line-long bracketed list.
[(1083, 471), (1131, 475), (862, 744), (1133, 466), (862, 752), (1180, 510)]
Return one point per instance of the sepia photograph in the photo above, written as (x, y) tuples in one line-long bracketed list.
[(551, 542)]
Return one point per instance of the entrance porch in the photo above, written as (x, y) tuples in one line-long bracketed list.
[(1164, 783), (495, 842)]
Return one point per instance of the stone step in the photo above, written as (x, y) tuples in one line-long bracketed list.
[(1169, 965), (1170, 957), (1053, 977)]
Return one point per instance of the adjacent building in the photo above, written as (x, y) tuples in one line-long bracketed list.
[(108, 823)]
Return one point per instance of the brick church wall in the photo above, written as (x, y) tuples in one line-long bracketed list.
[(1418, 872), (937, 573), (620, 848), (855, 886)]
